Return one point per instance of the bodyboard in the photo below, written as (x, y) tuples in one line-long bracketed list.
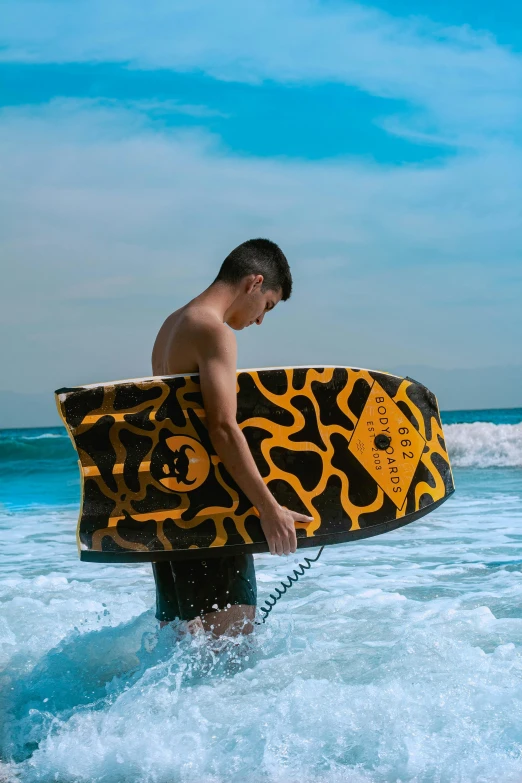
[(362, 452)]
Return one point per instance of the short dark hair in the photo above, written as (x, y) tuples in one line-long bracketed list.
[(258, 257)]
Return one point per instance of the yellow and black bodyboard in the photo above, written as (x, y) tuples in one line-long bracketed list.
[(362, 452)]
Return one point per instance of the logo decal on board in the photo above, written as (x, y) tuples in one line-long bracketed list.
[(387, 444), (185, 464)]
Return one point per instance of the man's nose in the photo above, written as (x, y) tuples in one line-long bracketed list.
[(259, 320)]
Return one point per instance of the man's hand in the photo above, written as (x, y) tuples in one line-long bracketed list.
[(279, 529)]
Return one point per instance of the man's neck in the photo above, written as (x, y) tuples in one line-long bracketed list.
[(219, 297)]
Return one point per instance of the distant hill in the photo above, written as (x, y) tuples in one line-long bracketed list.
[(493, 387)]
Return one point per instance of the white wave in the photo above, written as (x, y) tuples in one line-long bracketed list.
[(40, 437), (484, 445), (393, 658)]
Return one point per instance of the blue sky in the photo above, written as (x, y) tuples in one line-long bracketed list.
[(380, 146)]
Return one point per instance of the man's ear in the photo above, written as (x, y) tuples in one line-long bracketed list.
[(255, 282)]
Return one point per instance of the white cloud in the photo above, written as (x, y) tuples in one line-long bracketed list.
[(462, 85), (155, 107), (391, 265), (109, 223)]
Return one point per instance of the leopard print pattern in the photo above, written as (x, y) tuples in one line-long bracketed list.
[(154, 488)]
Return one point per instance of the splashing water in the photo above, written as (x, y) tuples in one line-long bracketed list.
[(483, 445), (397, 658)]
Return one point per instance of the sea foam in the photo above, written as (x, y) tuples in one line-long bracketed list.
[(484, 445), (397, 658)]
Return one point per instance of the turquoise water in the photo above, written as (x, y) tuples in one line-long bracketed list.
[(493, 416), (397, 658)]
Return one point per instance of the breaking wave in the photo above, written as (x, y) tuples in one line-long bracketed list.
[(484, 445), (44, 449)]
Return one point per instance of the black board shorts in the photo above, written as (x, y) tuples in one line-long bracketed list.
[(189, 588)]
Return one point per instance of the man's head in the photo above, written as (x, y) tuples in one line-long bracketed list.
[(259, 271)]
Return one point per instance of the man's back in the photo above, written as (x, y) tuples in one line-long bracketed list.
[(175, 348)]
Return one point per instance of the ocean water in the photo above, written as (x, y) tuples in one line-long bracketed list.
[(398, 658)]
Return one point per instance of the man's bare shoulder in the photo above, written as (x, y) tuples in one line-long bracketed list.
[(189, 336), (202, 324)]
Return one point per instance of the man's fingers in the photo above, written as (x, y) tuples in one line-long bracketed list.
[(281, 535), (303, 518), (271, 545), (276, 546), (292, 541)]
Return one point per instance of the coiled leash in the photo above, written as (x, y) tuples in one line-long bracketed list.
[(286, 584)]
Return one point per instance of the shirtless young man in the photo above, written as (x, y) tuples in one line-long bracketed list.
[(219, 594)]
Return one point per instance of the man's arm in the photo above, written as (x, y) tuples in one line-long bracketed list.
[(216, 349)]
